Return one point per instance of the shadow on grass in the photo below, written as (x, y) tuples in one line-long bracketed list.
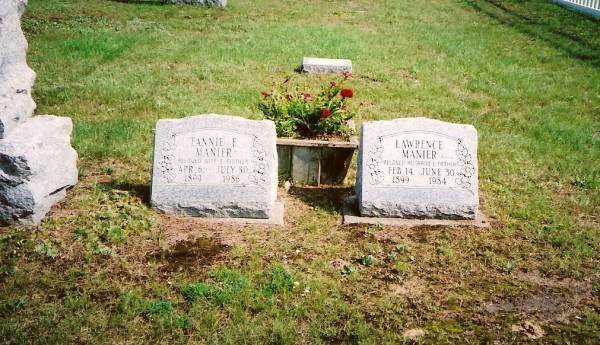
[(330, 198), (188, 255), (141, 191), (571, 32)]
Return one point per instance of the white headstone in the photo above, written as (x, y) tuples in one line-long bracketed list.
[(319, 65), (418, 168), (215, 166)]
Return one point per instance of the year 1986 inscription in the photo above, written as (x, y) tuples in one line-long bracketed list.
[(213, 157)]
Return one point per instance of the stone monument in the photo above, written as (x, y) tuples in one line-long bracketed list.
[(417, 168), (216, 166), (16, 78), (218, 3), (37, 162), (320, 65)]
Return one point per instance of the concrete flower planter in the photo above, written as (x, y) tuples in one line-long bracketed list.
[(315, 162)]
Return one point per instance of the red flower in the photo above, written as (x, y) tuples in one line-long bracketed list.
[(347, 93), (332, 83), (307, 96), (265, 94), (325, 112)]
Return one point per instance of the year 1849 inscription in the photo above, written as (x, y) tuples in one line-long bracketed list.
[(418, 168), (213, 157), (420, 159)]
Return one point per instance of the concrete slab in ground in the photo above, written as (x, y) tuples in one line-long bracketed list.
[(351, 216)]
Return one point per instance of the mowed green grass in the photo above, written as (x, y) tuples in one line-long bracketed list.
[(104, 268)]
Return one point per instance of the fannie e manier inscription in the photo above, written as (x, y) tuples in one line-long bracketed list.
[(212, 157), (418, 168), (215, 166)]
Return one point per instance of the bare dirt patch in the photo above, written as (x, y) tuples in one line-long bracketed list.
[(185, 255), (174, 229), (410, 288), (551, 300)]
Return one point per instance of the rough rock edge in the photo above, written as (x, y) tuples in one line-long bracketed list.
[(16, 78), (30, 186)]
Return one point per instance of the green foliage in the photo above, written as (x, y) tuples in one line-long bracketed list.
[(193, 292), (47, 249), (159, 308), (401, 267), (10, 246), (229, 288), (443, 250), (348, 270), (278, 279), (367, 260), (401, 248), (132, 303), (115, 218), (297, 111), (20, 303)]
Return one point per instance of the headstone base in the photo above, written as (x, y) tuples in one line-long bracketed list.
[(275, 219), (352, 216)]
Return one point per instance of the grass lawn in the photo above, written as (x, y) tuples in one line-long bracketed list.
[(104, 268)]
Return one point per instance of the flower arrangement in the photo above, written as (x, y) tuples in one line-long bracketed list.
[(300, 113)]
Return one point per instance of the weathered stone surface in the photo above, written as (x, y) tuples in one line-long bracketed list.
[(37, 165), (215, 166), (16, 78), (319, 65), (418, 168), (351, 216), (220, 3)]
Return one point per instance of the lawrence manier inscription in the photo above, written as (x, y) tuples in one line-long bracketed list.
[(418, 168), (215, 166)]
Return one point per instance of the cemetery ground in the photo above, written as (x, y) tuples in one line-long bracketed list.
[(105, 268)]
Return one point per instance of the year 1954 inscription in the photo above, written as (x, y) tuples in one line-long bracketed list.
[(212, 157)]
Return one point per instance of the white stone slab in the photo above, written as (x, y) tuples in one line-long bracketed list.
[(320, 65), (351, 216), (37, 165), (418, 168), (215, 166), (218, 3)]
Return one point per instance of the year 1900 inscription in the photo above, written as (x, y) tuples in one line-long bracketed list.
[(212, 157), (421, 159)]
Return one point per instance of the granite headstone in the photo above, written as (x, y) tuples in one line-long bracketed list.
[(418, 168), (215, 166)]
